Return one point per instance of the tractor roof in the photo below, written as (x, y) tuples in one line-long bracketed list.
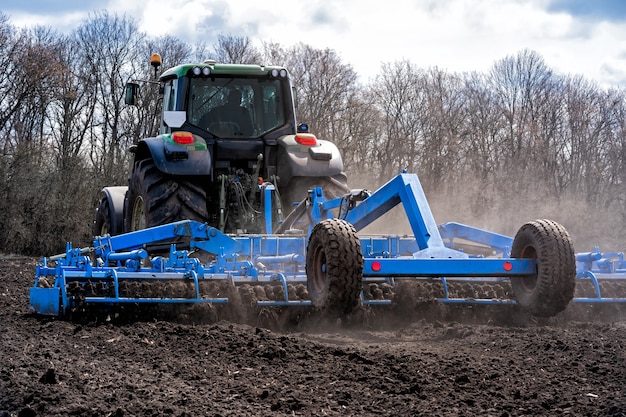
[(221, 69)]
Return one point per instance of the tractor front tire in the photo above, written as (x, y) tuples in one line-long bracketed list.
[(155, 198), (547, 292), (334, 267)]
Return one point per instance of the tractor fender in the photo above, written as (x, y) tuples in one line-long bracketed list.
[(175, 159), (296, 160), (115, 196)]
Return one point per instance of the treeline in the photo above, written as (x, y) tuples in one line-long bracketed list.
[(492, 149)]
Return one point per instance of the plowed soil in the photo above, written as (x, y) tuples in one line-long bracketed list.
[(488, 362)]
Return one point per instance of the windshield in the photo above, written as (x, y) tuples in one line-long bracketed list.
[(236, 107)]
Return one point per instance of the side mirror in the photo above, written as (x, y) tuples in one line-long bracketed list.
[(130, 96)]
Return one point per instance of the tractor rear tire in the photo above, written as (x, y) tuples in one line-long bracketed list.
[(547, 292), (155, 198), (297, 189), (334, 267), (102, 223)]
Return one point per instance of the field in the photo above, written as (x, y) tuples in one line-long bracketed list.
[(489, 362)]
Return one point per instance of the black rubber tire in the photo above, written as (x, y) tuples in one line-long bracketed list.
[(298, 187), (102, 222), (549, 291), (334, 267), (155, 198), (296, 217)]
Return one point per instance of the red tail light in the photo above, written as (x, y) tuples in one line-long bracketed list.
[(306, 139), (182, 138)]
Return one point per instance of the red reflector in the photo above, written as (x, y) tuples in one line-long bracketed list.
[(306, 139), (376, 266), (507, 266), (183, 138)]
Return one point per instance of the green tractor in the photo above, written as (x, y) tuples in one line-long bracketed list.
[(227, 133)]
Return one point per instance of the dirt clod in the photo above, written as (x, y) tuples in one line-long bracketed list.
[(443, 362)]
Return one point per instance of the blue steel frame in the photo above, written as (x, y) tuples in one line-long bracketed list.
[(591, 267), (595, 267), (258, 259)]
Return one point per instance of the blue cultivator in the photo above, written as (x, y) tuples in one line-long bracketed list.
[(315, 257), (600, 277)]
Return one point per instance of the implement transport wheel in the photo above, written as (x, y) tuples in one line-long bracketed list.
[(155, 198), (334, 267), (547, 292)]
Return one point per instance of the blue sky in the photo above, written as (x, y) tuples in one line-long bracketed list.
[(586, 37), (613, 10)]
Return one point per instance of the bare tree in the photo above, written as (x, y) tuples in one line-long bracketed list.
[(592, 126), (523, 85), (72, 109), (617, 158), (110, 45), (356, 132), (42, 161), (275, 54), (324, 84), (397, 93), (443, 122), (231, 49), (18, 79), (481, 135)]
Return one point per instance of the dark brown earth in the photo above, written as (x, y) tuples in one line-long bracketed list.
[(488, 362)]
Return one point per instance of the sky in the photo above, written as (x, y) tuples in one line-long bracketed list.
[(579, 37)]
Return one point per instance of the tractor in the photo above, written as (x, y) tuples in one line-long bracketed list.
[(227, 132)]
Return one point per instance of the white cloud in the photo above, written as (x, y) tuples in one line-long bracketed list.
[(455, 35), (64, 23)]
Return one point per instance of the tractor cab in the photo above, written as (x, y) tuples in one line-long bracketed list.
[(225, 101)]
